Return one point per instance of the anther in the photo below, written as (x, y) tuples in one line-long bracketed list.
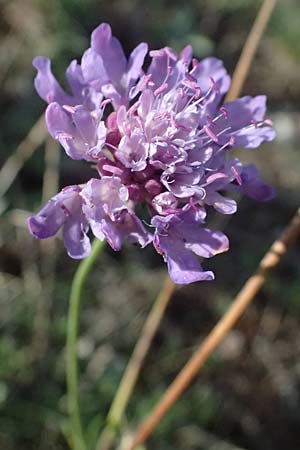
[(156, 53), (224, 112), (161, 89), (210, 133), (69, 108), (236, 175), (63, 136)]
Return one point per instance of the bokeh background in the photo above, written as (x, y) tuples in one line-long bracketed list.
[(248, 396)]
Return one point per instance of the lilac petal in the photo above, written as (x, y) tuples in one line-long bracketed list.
[(245, 110), (135, 63), (132, 228), (75, 238), (178, 237), (208, 243), (221, 204), (182, 182), (186, 55), (146, 102), (253, 186), (253, 136), (101, 133), (58, 121), (63, 210), (126, 225), (166, 157), (184, 268), (85, 124), (137, 232), (93, 69), (159, 67), (48, 221), (165, 65), (46, 84), (197, 157), (104, 198), (211, 68), (112, 234), (75, 78), (132, 152), (110, 50), (109, 91), (60, 127), (79, 133), (242, 116), (165, 203)]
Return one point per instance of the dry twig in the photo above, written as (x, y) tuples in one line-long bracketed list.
[(220, 331), (240, 303), (249, 49), (15, 162)]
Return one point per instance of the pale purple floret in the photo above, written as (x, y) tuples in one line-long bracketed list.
[(252, 185), (214, 182), (180, 238), (48, 88), (81, 132), (133, 152), (108, 214), (164, 150), (183, 181), (165, 203), (64, 210), (167, 67), (105, 66), (245, 117), (211, 69)]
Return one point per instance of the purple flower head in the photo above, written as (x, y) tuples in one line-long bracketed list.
[(163, 149)]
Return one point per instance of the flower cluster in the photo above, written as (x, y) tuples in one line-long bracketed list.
[(160, 139)]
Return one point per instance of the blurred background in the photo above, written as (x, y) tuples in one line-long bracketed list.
[(248, 396)]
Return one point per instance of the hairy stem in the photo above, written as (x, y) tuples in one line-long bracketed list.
[(78, 284)]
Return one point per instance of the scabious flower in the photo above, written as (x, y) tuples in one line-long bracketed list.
[(159, 138)]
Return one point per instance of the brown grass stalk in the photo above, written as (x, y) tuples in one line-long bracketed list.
[(244, 298), (220, 331), (15, 162), (250, 47)]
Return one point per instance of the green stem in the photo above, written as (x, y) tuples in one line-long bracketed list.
[(79, 280)]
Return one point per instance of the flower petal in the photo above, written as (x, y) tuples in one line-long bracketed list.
[(46, 84), (75, 238)]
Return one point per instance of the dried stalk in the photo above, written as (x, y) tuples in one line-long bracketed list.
[(15, 162), (220, 331), (186, 375), (250, 47)]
